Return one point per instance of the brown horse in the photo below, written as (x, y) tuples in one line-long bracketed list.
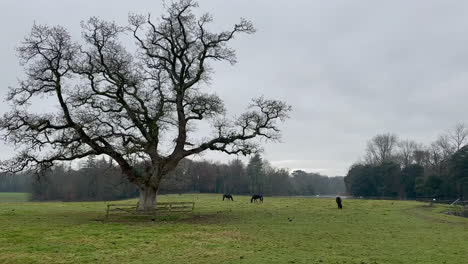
[(228, 196), (256, 197), (338, 202)]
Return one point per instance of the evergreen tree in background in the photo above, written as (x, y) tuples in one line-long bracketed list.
[(255, 174)]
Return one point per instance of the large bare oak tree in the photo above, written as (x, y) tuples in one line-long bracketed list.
[(130, 103)]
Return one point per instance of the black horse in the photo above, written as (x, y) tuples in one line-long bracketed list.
[(256, 197), (228, 196), (338, 202)]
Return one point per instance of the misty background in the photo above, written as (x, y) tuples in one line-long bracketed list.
[(350, 69)]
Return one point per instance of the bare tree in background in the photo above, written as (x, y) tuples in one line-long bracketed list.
[(422, 156), (444, 145), (458, 135), (447, 144), (126, 105), (381, 148), (438, 152), (406, 151)]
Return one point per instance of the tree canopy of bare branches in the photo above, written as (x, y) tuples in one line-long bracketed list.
[(126, 104), (458, 136), (408, 152), (381, 148)]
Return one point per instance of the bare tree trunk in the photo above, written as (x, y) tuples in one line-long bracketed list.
[(147, 200)]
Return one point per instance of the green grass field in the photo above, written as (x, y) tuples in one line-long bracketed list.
[(13, 197), (365, 231)]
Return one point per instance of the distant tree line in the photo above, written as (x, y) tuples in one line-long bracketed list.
[(21, 182), (404, 168), (100, 179)]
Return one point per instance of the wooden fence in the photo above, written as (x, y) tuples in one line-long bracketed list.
[(160, 209)]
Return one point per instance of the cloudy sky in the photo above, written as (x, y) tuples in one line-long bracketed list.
[(350, 68)]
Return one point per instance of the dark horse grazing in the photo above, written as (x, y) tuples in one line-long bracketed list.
[(256, 197), (228, 196), (338, 202)]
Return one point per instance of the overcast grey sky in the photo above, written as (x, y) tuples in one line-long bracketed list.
[(350, 68)]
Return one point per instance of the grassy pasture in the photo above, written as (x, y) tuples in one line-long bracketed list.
[(11, 197), (365, 231)]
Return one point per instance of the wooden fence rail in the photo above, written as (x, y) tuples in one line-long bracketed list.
[(160, 209)]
